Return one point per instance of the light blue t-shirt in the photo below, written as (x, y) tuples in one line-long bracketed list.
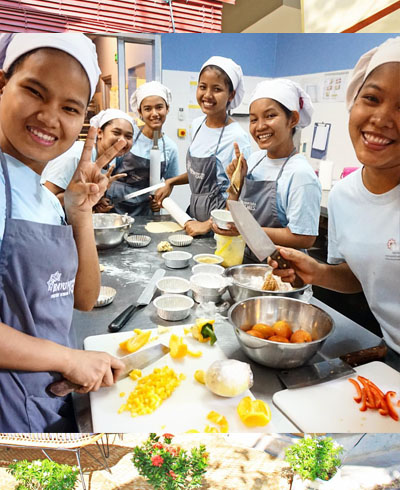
[(142, 146), (31, 200), (298, 190), (60, 170), (206, 140)]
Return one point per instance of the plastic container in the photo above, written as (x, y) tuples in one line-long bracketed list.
[(231, 249)]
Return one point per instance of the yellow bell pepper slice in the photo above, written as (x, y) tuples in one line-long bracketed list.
[(178, 348), (218, 419), (253, 413), (199, 376), (135, 343)]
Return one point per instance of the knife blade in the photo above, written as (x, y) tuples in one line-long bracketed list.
[(143, 300), (331, 369), (139, 193), (136, 360), (256, 238)]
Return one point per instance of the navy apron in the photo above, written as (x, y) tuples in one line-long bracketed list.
[(259, 197), (206, 194), (138, 170), (38, 265)]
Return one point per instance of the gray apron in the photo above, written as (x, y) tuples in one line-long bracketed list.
[(206, 193), (259, 197), (38, 264), (138, 170)]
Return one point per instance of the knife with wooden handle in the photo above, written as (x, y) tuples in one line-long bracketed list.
[(331, 369)]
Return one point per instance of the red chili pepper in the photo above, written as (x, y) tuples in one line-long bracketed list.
[(363, 407), (392, 411), (370, 400), (357, 386)]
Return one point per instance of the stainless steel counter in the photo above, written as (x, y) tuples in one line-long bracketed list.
[(128, 271)]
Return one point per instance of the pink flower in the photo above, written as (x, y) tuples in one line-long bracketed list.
[(158, 445), (168, 436), (172, 474), (157, 460)]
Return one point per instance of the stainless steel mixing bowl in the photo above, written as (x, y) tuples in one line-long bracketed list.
[(110, 228), (239, 275), (269, 309)]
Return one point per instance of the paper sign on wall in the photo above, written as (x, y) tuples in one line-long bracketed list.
[(334, 88)]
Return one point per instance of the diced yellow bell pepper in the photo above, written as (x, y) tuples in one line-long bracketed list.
[(254, 413), (178, 348), (135, 343), (203, 331)]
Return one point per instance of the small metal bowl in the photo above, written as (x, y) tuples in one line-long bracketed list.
[(208, 269), (173, 307), (173, 285), (208, 287), (222, 218), (208, 259), (180, 240), (106, 296), (269, 309), (176, 260), (137, 241), (110, 228)]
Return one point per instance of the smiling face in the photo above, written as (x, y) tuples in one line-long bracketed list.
[(374, 123), (153, 110), (271, 128), (111, 133), (213, 93), (42, 107)]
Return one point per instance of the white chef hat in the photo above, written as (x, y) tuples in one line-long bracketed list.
[(75, 44), (235, 74), (149, 89), (387, 52), (104, 117), (289, 94)]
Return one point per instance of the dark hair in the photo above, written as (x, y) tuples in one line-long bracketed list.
[(227, 80), (288, 113)]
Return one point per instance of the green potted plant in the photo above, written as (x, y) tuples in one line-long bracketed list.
[(315, 462), (169, 467), (43, 475)]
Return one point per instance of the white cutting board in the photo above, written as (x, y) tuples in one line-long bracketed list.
[(329, 407), (185, 409)]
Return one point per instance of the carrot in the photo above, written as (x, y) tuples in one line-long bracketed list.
[(357, 387)]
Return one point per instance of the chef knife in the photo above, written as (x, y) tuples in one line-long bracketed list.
[(256, 238), (331, 369), (139, 193), (137, 360), (143, 300)]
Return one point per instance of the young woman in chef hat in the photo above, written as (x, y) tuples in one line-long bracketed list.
[(220, 88), (111, 125), (151, 102), (364, 208), (46, 266), (278, 184)]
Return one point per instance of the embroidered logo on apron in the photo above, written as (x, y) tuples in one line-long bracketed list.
[(57, 288)]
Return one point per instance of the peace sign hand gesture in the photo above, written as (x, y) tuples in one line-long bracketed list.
[(88, 184)]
